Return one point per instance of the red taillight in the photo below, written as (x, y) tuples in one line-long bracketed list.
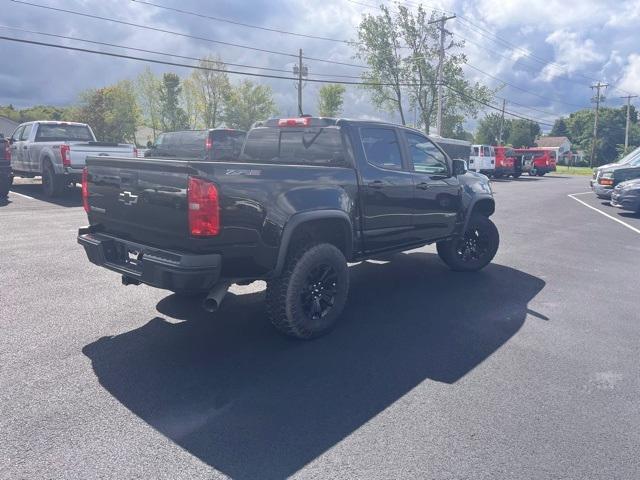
[(85, 190), (204, 209), (7, 151), (208, 144), (294, 122), (65, 153)]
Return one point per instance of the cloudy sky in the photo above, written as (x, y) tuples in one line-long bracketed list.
[(544, 53)]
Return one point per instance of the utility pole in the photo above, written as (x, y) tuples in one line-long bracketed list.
[(504, 103), (597, 87), (441, 21), (626, 130), (301, 71)]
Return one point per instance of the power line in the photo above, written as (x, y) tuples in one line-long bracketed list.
[(493, 107), (171, 32), (197, 67), (235, 72), (241, 24), (155, 52)]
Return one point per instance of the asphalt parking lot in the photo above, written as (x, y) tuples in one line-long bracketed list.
[(528, 369)]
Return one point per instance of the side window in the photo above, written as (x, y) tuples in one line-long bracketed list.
[(16, 135), (486, 151), (26, 132), (476, 151), (381, 147), (425, 155)]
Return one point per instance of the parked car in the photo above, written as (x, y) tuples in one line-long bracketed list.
[(453, 147), (212, 145), (626, 195), (537, 161), (306, 196), (483, 159), (6, 176), (507, 162), (57, 151), (606, 177)]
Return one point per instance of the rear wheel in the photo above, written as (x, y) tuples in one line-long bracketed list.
[(475, 249), (52, 184), (5, 185), (308, 298)]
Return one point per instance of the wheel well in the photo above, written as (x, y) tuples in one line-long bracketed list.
[(326, 230), (484, 207)]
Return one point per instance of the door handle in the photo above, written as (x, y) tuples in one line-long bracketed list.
[(422, 186), (376, 184)]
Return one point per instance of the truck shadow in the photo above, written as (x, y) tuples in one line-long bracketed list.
[(253, 404), (70, 197)]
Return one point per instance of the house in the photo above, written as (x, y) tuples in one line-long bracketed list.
[(7, 126), (561, 145)]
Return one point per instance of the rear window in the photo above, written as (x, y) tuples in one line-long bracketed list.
[(59, 132), (192, 139), (314, 146)]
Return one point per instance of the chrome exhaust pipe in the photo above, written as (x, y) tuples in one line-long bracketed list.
[(212, 301)]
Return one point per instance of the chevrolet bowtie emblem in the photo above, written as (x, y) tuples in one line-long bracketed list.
[(128, 198)]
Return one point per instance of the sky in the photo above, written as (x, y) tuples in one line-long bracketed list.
[(542, 55)]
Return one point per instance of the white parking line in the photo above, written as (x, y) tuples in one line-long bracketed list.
[(22, 195), (602, 213)]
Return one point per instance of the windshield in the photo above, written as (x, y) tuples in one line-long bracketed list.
[(56, 132), (632, 157)]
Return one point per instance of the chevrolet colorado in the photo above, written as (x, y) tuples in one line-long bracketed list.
[(306, 196)]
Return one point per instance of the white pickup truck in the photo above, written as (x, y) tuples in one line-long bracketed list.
[(57, 152)]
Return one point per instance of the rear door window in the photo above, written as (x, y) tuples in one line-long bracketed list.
[(381, 147), (476, 151), (486, 151)]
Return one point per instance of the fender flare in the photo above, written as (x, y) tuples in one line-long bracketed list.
[(474, 201), (300, 218)]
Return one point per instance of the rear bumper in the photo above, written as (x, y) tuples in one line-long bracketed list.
[(170, 270), (601, 190)]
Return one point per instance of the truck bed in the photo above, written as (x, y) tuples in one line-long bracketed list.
[(145, 201)]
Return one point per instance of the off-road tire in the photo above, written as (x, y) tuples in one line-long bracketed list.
[(52, 184), (480, 230), (286, 295)]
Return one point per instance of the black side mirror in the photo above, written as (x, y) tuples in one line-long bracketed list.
[(459, 167)]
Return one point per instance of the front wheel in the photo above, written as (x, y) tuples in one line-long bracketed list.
[(475, 249), (308, 298)]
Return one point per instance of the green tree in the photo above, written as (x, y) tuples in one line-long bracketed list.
[(172, 116), (401, 49), (330, 100), (213, 90), (148, 87), (560, 128), (112, 112), (488, 131), (523, 133), (247, 104)]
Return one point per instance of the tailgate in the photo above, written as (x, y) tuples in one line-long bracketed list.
[(141, 200), (80, 151)]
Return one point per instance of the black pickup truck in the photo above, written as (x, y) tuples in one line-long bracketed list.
[(306, 196)]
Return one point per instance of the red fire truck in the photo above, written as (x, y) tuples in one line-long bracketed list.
[(536, 160), (507, 163)]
